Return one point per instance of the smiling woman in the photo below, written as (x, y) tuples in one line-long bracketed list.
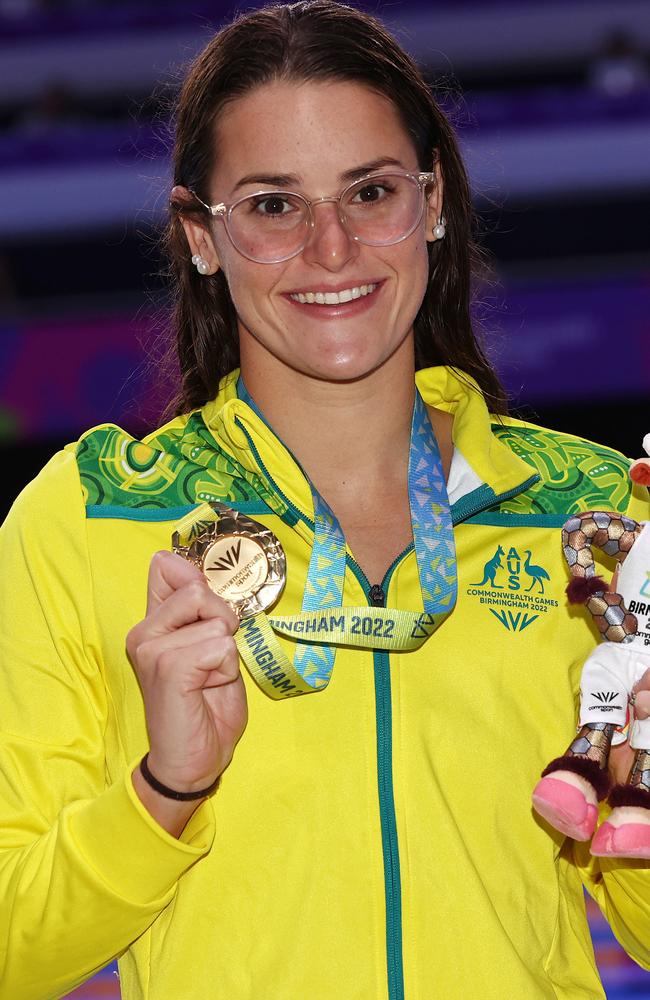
[(339, 470), (246, 111), (371, 237)]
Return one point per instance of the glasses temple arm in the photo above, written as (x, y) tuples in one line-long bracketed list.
[(219, 209)]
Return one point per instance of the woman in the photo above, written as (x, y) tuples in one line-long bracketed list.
[(356, 846)]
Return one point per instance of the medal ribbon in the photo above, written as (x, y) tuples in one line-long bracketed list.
[(323, 624)]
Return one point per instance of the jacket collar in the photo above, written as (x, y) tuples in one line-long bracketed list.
[(254, 446), (497, 468)]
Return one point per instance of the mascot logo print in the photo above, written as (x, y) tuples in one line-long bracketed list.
[(605, 698), (516, 586)]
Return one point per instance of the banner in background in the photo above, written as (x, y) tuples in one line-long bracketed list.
[(554, 342)]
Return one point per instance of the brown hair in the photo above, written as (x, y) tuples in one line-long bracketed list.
[(316, 40)]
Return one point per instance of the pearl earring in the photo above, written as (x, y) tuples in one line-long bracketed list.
[(201, 265), (440, 230)]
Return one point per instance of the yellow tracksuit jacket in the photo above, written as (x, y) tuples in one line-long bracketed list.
[(372, 841)]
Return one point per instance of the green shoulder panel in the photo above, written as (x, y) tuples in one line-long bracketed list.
[(175, 467), (576, 475)]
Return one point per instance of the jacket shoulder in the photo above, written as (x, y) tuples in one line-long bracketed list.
[(54, 490), (169, 470), (575, 474)]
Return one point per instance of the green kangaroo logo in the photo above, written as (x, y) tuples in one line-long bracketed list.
[(490, 570)]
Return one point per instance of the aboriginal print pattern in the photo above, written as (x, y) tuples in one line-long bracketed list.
[(175, 468), (575, 475)]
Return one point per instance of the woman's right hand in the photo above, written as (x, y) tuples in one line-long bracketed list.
[(186, 660)]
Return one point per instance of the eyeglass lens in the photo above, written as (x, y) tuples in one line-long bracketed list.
[(275, 225)]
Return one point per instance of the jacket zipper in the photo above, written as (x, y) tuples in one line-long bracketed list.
[(390, 846)]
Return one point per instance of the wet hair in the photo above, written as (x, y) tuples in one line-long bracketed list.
[(316, 40)]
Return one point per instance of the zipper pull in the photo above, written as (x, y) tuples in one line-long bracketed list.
[(376, 596)]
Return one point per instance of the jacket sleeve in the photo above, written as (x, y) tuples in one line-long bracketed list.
[(621, 887), (84, 868)]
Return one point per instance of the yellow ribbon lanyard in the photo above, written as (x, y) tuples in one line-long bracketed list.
[(324, 624)]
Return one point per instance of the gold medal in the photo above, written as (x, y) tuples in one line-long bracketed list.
[(242, 560)]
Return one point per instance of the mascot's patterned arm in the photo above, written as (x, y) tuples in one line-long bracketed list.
[(614, 534)]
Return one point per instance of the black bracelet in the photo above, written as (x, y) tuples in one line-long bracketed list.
[(169, 793)]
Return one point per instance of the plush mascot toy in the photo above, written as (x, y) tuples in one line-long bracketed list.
[(567, 794)]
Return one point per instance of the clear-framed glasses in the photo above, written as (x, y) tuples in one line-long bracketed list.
[(378, 210)]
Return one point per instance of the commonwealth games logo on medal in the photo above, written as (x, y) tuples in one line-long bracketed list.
[(236, 566), (242, 560)]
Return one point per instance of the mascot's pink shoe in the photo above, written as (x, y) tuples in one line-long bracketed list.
[(565, 807), (629, 840)]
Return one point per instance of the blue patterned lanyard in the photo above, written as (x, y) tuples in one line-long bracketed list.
[(433, 542)]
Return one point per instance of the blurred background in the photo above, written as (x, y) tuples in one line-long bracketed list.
[(551, 101)]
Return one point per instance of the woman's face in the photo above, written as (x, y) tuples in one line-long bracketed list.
[(316, 133)]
